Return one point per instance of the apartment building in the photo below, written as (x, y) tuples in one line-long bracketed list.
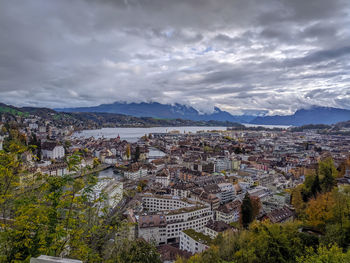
[(229, 212), (174, 215), (193, 241)]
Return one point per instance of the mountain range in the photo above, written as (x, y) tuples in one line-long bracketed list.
[(313, 115), (163, 111), (96, 120)]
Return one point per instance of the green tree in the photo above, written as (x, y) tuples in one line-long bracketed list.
[(246, 211), (315, 187), (328, 174), (334, 254), (128, 151), (137, 153), (138, 251), (54, 215)]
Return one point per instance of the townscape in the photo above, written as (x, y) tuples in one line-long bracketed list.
[(179, 191), (162, 131)]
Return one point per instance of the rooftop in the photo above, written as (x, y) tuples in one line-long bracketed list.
[(50, 259), (218, 226), (198, 236)]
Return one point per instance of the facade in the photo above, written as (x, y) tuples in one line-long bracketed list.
[(163, 179), (214, 228), (50, 259), (1, 142), (57, 169), (222, 164), (114, 193), (182, 189), (193, 241), (153, 228), (50, 150), (112, 160), (135, 174), (266, 180), (227, 193), (281, 215), (229, 212), (179, 214)]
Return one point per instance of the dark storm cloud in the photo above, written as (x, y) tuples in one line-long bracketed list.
[(275, 55)]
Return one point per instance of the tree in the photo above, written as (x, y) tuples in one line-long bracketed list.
[(128, 151), (320, 210), (328, 173), (96, 162), (323, 254), (315, 187), (137, 153), (256, 205), (246, 211), (138, 251), (297, 200), (262, 242), (57, 215)]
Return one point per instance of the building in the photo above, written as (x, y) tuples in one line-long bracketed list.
[(135, 173), (281, 215), (163, 178), (170, 253), (152, 228), (57, 169), (229, 212), (50, 259), (193, 241), (214, 228), (179, 214), (1, 142), (182, 189), (51, 150), (112, 189), (227, 192), (222, 164), (266, 180)]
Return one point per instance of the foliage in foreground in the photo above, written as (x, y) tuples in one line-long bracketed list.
[(59, 215)]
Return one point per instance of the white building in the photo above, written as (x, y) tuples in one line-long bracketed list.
[(179, 214), (222, 164), (1, 142), (33, 126), (163, 179), (261, 192), (135, 174), (214, 228), (50, 150), (229, 212), (57, 169), (227, 193), (194, 242), (112, 189), (112, 160), (182, 189), (50, 259)]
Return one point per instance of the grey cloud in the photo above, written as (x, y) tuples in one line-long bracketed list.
[(275, 55)]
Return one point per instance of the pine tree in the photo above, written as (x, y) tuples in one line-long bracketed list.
[(246, 211), (316, 187), (137, 153)]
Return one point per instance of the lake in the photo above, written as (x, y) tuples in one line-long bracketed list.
[(133, 134), (267, 126)]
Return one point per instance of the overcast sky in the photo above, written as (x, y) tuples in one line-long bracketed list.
[(275, 55)]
